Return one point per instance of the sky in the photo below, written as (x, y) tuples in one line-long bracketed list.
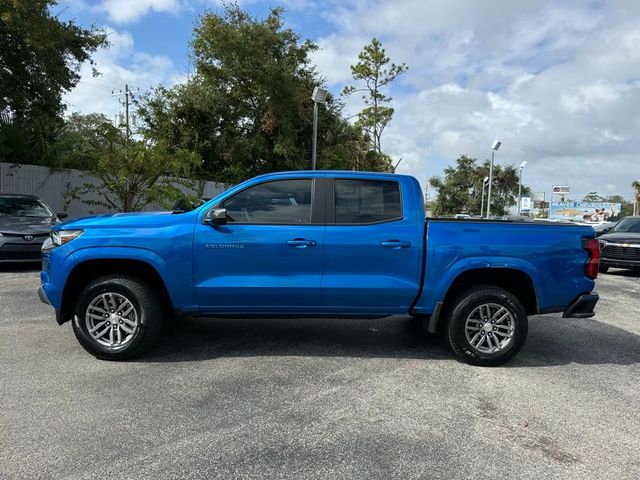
[(558, 82)]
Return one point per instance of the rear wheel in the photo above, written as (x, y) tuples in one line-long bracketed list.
[(117, 317), (486, 326)]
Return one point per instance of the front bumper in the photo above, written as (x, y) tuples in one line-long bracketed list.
[(582, 307), (16, 249), (619, 263), (43, 298)]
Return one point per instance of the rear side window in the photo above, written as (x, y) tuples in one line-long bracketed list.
[(366, 201), (282, 201)]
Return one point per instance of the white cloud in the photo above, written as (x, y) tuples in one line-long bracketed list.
[(118, 65), (556, 81), (123, 11)]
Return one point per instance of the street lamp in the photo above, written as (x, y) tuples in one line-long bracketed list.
[(319, 96), (484, 184), (522, 165), (494, 147)]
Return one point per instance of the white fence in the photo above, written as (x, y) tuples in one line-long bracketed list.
[(52, 186)]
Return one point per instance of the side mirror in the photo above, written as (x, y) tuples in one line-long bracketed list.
[(217, 216), (62, 215)]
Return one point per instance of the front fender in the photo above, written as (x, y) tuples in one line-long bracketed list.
[(61, 265)]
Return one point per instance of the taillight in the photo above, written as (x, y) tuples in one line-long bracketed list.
[(592, 246)]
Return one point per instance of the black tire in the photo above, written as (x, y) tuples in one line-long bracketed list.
[(464, 305), (602, 269), (148, 313)]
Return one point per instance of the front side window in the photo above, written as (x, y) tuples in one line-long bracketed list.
[(282, 201), (367, 201)]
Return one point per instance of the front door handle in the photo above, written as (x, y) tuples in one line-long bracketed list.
[(395, 244), (301, 243)]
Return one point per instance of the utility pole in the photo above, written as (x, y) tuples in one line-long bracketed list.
[(484, 182), (494, 147), (126, 111), (319, 96), (128, 94), (314, 147), (522, 165)]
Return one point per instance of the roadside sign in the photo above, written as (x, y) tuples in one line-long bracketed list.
[(537, 197), (525, 204), (561, 189)]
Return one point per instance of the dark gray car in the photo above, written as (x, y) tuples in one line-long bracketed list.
[(25, 222), (620, 246)]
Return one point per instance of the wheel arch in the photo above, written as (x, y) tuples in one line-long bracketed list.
[(514, 281), (88, 270)]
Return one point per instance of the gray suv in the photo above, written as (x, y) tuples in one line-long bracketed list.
[(25, 222)]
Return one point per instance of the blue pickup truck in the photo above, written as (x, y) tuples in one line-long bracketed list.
[(316, 243)]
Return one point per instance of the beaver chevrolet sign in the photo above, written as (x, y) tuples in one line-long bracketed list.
[(584, 211)]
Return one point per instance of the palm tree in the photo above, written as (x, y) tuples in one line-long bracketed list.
[(636, 185)]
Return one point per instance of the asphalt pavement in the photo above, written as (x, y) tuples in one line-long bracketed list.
[(320, 398)]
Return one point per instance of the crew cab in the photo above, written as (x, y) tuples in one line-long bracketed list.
[(317, 243)]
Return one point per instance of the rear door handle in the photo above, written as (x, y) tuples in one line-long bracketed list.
[(395, 244), (301, 243)]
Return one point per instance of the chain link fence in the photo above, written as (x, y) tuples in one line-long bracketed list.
[(53, 187)]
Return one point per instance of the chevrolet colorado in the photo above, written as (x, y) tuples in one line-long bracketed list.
[(316, 243)]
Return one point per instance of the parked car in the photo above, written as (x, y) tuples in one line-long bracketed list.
[(318, 244), (25, 222), (620, 246), (604, 227)]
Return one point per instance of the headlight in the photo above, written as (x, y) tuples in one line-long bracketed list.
[(60, 237)]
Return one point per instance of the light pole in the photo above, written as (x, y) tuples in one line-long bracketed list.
[(484, 184), (522, 165), (319, 96), (494, 147)]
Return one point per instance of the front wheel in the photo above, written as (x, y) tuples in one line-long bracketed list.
[(486, 326), (117, 317)]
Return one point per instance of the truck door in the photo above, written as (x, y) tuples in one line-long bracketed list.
[(372, 248), (268, 256)]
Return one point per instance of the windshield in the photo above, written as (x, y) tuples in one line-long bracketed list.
[(23, 207), (630, 225)]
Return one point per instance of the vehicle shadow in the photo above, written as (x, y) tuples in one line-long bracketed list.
[(20, 267), (618, 272), (552, 340)]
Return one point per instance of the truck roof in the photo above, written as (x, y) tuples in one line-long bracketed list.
[(336, 173)]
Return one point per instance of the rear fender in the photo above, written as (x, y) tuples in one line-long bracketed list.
[(438, 281)]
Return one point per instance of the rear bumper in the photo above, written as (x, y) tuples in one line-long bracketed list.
[(582, 307)]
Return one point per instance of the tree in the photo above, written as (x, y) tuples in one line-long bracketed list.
[(135, 174), (82, 140), (593, 197), (372, 70), (247, 109), (460, 191), (40, 57), (40, 60)]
